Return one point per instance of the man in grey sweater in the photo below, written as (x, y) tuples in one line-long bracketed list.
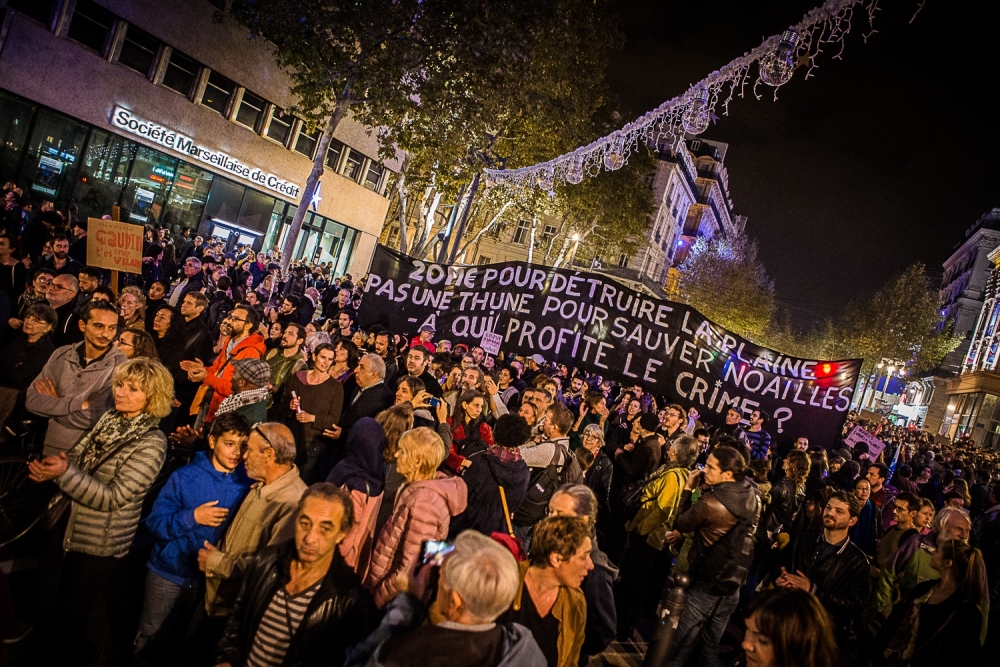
[(74, 388)]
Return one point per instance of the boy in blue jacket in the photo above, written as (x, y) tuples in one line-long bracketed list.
[(195, 506)]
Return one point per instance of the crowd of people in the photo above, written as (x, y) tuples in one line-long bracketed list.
[(243, 476)]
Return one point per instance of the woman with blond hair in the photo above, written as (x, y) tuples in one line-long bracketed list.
[(422, 512), (102, 481)]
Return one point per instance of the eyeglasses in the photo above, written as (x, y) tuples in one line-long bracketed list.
[(57, 287), (236, 319), (122, 343)]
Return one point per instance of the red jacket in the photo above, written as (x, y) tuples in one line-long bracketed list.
[(220, 373)]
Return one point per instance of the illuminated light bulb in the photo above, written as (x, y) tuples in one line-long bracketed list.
[(777, 67), (614, 156), (547, 179), (695, 119), (574, 174)]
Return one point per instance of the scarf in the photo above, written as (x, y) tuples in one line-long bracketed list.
[(363, 468), (241, 400), (112, 430)]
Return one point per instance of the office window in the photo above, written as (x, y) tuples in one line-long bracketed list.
[(483, 260), (40, 10), (306, 143), (251, 110), (352, 167), (333, 154), (522, 233), (181, 73), (103, 172), (280, 126), (218, 92), (374, 176), (139, 50), (91, 25), (548, 232)]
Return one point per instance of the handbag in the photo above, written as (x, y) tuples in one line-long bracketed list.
[(60, 502)]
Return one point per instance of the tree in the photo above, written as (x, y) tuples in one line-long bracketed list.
[(726, 282), (902, 321), (528, 88)]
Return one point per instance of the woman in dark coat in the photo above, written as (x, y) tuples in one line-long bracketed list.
[(23, 358), (498, 465)]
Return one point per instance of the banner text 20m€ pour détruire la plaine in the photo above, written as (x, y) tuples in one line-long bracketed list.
[(594, 323)]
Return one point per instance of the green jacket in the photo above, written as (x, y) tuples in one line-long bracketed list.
[(282, 368), (660, 499)]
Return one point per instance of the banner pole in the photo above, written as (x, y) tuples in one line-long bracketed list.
[(116, 213)]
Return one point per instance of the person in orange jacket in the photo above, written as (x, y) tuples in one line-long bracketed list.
[(241, 340)]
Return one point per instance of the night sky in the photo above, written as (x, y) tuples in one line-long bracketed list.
[(881, 159)]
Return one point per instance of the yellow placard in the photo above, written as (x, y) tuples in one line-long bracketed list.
[(114, 245)]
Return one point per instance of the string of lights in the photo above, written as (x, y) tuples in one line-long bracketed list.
[(692, 111)]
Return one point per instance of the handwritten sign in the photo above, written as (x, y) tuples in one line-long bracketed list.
[(491, 342), (875, 446), (114, 245)]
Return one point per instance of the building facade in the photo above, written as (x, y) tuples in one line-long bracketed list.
[(963, 285), (169, 111), (690, 189)]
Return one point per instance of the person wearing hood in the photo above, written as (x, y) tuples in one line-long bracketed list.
[(723, 523), (476, 583), (362, 474), (578, 500), (241, 340), (498, 466), (195, 506), (423, 511)]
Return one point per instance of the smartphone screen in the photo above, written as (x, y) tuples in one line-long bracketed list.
[(434, 551)]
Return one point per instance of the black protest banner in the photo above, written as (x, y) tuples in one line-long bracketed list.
[(594, 323)]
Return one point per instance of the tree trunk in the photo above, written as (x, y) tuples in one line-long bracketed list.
[(531, 238), (562, 252), (314, 175), (403, 199), (422, 241), (467, 206), (455, 210), (486, 228)]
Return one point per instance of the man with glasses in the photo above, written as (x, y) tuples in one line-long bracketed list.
[(194, 281), (241, 340), (61, 295)]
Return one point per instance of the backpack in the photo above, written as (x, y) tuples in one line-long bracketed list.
[(219, 307), (544, 482)]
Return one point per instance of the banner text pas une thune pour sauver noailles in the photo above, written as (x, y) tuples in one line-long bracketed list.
[(594, 323)]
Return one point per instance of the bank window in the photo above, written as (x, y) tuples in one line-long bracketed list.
[(306, 143), (15, 119), (352, 167), (91, 25), (103, 172), (218, 92), (40, 10), (149, 182), (139, 50), (53, 153), (187, 198), (280, 126), (251, 110), (181, 73), (374, 175), (333, 154)]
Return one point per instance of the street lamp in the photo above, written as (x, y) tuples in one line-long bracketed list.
[(576, 244)]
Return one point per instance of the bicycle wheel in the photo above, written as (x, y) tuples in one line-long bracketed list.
[(22, 501)]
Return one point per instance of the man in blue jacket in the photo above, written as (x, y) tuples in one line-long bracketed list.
[(195, 506)]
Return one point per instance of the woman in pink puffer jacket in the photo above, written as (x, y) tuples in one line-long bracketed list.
[(423, 511)]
